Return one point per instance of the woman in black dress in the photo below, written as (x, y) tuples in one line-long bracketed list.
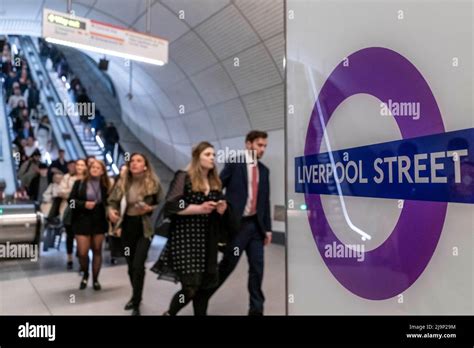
[(89, 222), (196, 206)]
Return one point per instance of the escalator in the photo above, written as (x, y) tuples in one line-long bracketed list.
[(19, 221), (8, 182), (64, 133), (78, 141)]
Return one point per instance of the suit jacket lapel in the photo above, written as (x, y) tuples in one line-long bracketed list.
[(260, 179), (245, 177)]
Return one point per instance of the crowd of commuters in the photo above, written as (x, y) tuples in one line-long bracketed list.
[(206, 212), (32, 134), (207, 209)]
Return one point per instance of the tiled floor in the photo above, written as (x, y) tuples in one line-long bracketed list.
[(46, 288)]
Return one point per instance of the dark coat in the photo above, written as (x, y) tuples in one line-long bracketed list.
[(234, 180), (83, 220), (177, 199)]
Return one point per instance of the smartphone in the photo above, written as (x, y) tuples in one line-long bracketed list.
[(140, 204)]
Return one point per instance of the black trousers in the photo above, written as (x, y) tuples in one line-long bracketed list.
[(69, 239), (186, 295), (136, 247), (250, 240)]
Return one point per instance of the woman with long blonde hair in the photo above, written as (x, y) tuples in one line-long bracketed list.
[(195, 204), (131, 204), (88, 201)]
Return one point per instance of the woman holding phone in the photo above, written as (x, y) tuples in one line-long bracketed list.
[(131, 204), (196, 206), (88, 200)]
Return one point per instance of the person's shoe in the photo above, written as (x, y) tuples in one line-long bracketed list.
[(128, 306), (167, 314), (83, 284), (136, 312), (69, 265), (255, 313), (96, 286)]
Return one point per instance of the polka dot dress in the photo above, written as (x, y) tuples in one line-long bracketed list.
[(186, 250)]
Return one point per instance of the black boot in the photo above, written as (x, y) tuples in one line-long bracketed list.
[(129, 305), (96, 285), (84, 280)]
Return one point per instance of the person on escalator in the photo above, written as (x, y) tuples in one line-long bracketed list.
[(111, 137), (21, 156), (38, 184), (30, 147), (16, 96), (29, 169), (98, 122), (44, 136), (32, 96), (59, 165), (10, 82), (25, 131), (23, 80), (16, 114), (63, 67)]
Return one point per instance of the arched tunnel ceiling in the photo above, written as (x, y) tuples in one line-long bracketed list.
[(221, 101)]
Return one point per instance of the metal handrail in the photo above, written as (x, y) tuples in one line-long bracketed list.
[(9, 136)]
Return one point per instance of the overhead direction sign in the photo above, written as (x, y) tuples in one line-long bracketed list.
[(88, 34)]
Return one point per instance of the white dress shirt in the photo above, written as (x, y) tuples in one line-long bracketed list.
[(251, 162)]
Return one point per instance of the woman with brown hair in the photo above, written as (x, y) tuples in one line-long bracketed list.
[(88, 200), (77, 170), (195, 204), (131, 204)]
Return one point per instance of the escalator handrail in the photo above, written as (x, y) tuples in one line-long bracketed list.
[(10, 140)]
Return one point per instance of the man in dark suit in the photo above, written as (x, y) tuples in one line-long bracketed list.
[(247, 189)]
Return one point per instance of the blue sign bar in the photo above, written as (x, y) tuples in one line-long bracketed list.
[(437, 167)]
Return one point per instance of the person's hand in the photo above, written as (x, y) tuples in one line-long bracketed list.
[(90, 205), (208, 207), (221, 206), (118, 232), (268, 238), (144, 208), (114, 216)]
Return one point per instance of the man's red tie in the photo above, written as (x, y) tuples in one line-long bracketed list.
[(253, 206)]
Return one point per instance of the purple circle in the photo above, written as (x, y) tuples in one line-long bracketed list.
[(398, 262)]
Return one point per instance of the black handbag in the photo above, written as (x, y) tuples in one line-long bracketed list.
[(162, 222), (67, 216), (54, 211), (116, 247)]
